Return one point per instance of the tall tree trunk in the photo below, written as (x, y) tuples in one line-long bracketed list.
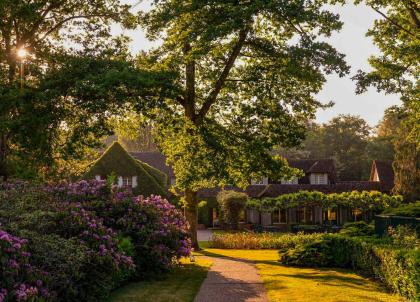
[(191, 207)]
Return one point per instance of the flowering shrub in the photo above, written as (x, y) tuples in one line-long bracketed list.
[(79, 191), (90, 237), (91, 231), (20, 281), (159, 231)]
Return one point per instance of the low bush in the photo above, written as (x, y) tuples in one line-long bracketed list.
[(397, 267), (359, 228), (250, 240), (231, 205)]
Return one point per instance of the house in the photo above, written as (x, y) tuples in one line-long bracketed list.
[(128, 171), (158, 161), (317, 172), (319, 175)]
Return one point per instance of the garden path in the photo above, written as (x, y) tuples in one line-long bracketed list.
[(232, 280)]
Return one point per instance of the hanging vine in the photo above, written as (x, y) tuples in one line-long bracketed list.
[(364, 201)]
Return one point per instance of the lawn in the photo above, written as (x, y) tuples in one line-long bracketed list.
[(180, 285), (284, 284)]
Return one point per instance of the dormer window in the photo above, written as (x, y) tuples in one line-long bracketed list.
[(319, 179), (293, 181), (262, 181)]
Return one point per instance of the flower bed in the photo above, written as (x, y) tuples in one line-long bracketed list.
[(250, 240)]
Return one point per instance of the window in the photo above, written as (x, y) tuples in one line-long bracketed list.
[(304, 215), (262, 181), (279, 216), (294, 181), (330, 215), (319, 178), (127, 182), (356, 214)]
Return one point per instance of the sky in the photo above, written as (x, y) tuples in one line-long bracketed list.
[(351, 41)]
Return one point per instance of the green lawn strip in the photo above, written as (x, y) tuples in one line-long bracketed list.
[(284, 284), (180, 285)]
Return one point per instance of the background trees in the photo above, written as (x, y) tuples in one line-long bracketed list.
[(396, 70)]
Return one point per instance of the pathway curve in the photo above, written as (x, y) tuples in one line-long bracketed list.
[(232, 280)]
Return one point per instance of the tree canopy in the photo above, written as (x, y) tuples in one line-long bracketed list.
[(58, 99), (248, 73)]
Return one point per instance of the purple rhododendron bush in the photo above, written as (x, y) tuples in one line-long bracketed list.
[(79, 241)]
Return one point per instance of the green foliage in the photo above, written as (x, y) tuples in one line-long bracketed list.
[(404, 236), (117, 160), (255, 241), (410, 210), (248, 74), (231, 204), (359, 228), (407, 159), (396, 71), (88, 254), (398, 268), (365, 200), (41, 121)]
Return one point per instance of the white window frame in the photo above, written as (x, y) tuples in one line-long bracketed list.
[(134, 182), (127, 181), (319, 178)]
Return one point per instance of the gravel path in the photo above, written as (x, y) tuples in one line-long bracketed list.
[(232, 280)]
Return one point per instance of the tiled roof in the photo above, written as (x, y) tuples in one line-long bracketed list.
[(385, 173), (155, 159)]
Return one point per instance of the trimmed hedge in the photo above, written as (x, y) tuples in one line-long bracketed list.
[(408, 210), (398, 268)]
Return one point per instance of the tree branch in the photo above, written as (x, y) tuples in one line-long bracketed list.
[(59, 24), (394, 22), (223, 76)]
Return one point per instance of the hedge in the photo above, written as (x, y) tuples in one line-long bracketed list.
[(398, 268)]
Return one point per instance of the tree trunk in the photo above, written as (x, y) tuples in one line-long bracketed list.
[(191, 206)]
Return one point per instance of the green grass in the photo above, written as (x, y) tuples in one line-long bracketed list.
[(291, 284), (283, 283), (180, 285)]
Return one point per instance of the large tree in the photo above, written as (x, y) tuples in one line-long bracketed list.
[(58, 98), (248, 72), (396, 71)]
